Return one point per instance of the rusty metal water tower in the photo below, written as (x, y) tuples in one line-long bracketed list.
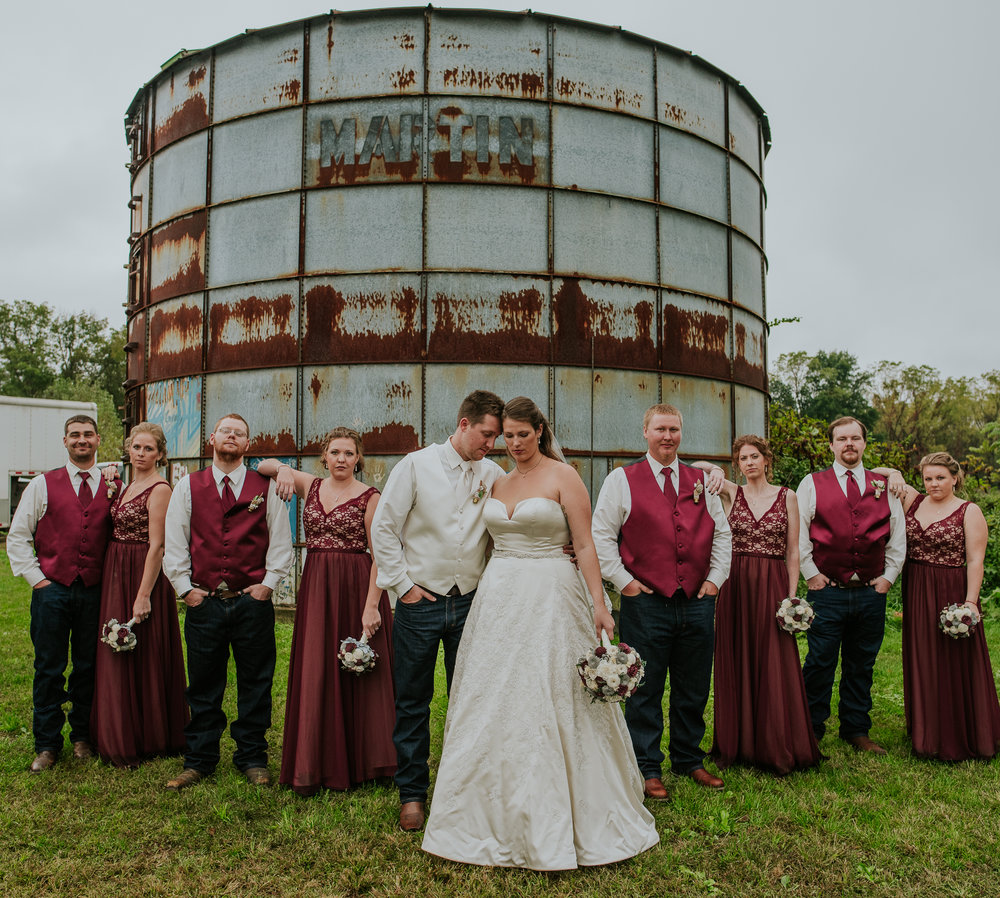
[(359, 217)]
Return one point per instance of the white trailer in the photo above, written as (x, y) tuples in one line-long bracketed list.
[(32, 442)]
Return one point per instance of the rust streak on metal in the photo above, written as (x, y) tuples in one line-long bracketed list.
[(281, 443), (406, 41), (290, 90), (264, 329), (695, 342), (403, 78), (617, 96), (181, 244), (196, 76), (290, 56), (175, 342), (328, 334), (329, 40), (511, 329), (526, 84), (589, 329), (744, 370), (190, 116)]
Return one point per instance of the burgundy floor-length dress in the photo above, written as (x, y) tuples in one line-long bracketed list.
[(338, 725), (952, 712), (139, 709), (761, 712)]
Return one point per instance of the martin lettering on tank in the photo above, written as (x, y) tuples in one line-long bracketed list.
[(398, 140)]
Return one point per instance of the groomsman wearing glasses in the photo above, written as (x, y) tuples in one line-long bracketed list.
[(228, 544), (663, 539), (852, 544), (57, 541)]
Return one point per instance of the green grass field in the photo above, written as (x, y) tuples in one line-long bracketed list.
[(857, 825)]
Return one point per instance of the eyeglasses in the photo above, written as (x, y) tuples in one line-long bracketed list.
[(226, 431)]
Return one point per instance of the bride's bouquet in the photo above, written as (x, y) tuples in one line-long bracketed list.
[(119, 636), (959, 621), (795, 615), (356, 655), (611, 673)]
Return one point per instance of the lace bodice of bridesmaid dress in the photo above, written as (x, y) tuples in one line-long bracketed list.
[(768, 536), (942, 542), (343, 527), (130, 520)]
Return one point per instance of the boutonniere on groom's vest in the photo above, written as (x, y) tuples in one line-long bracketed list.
[(479, 493), (879, 488), (699, 488), (256, 502)]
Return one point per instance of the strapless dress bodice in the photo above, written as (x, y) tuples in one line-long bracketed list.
[(537, 527)]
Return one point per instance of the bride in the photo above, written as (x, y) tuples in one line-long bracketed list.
[(532, 773)]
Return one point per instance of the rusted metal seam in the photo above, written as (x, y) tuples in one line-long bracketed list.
[(424, 174), (729, 271), (549, 217), (656, 224)]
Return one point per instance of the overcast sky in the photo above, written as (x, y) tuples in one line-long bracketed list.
[(883, 194)]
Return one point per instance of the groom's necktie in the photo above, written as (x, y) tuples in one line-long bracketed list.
[(228, 497), (853, 493), (86, 494), (668, 486), (464, 488)]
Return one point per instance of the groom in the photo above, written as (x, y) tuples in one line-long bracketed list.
[(429, 542), (665, 543)]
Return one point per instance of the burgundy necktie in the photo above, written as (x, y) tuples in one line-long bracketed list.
[(228, 498), (85, 494), (853, 493), (668, 487)]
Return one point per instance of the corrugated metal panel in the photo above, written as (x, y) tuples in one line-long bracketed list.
[(604, 323), (744, 131), (363, 229), (748, 275), (354, 56), (139, 203), (602, 69), (604, 237), (695, 335), (176, 406), (693, 254), (605, 406), (182, 100), (690, 97), (603, 152), (136, 359), (748, 361), (475, 54), (293, 504), (177, 256), (690, 174), (254, 240), (266, 398), (179, 175), (381, 402), (262, 71), (253, 326), (487, 318), (493, 228), (257, 155), (704, 404), (751, 408), (745, 192), (362, 318), (175, 337)]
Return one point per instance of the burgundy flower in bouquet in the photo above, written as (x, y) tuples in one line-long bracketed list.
[(611, 673), (118, 636), (357, 656)]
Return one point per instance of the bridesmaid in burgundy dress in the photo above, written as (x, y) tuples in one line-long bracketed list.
[(139, 709), (338, 725), (761, 712), (950, 698)]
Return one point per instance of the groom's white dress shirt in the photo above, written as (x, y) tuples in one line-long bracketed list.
[(428, 528)]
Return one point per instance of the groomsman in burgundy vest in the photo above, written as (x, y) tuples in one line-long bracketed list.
[(56, 542), (664, 541), (852, 544), (228, 544)]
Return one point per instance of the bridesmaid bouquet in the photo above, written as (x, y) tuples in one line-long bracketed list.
[(611, 673), (356, 655), (795, 615), (958, 621), (119, 636)]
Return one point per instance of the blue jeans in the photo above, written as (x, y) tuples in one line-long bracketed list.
[(210, 629), (416, 631), (64, 621), (849, 623), (674, 635)]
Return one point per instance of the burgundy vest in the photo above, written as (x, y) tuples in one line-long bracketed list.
[(667, 547), (230, 546), (70, 540), (848, 541)]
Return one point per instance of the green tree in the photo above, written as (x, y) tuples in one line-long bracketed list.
[(27, 358), (825, 386), (109, 418)]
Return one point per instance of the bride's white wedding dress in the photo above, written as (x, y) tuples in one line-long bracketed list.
[(532, 773)]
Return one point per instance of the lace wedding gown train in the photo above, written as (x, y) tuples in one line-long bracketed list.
[(532, 773)]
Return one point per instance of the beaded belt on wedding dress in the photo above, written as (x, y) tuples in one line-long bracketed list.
[(553, 553)]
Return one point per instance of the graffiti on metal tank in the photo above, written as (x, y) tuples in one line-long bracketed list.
[(397, 139)]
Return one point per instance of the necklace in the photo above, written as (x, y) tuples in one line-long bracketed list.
[(532, 468)]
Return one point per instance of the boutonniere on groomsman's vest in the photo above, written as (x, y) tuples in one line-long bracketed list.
[(256, 502), (479, 493), (879, 488), (699, 488)]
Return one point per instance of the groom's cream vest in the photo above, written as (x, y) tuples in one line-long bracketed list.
[(443, 540)]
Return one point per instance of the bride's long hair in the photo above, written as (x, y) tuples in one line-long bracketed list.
[(521, 408)]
